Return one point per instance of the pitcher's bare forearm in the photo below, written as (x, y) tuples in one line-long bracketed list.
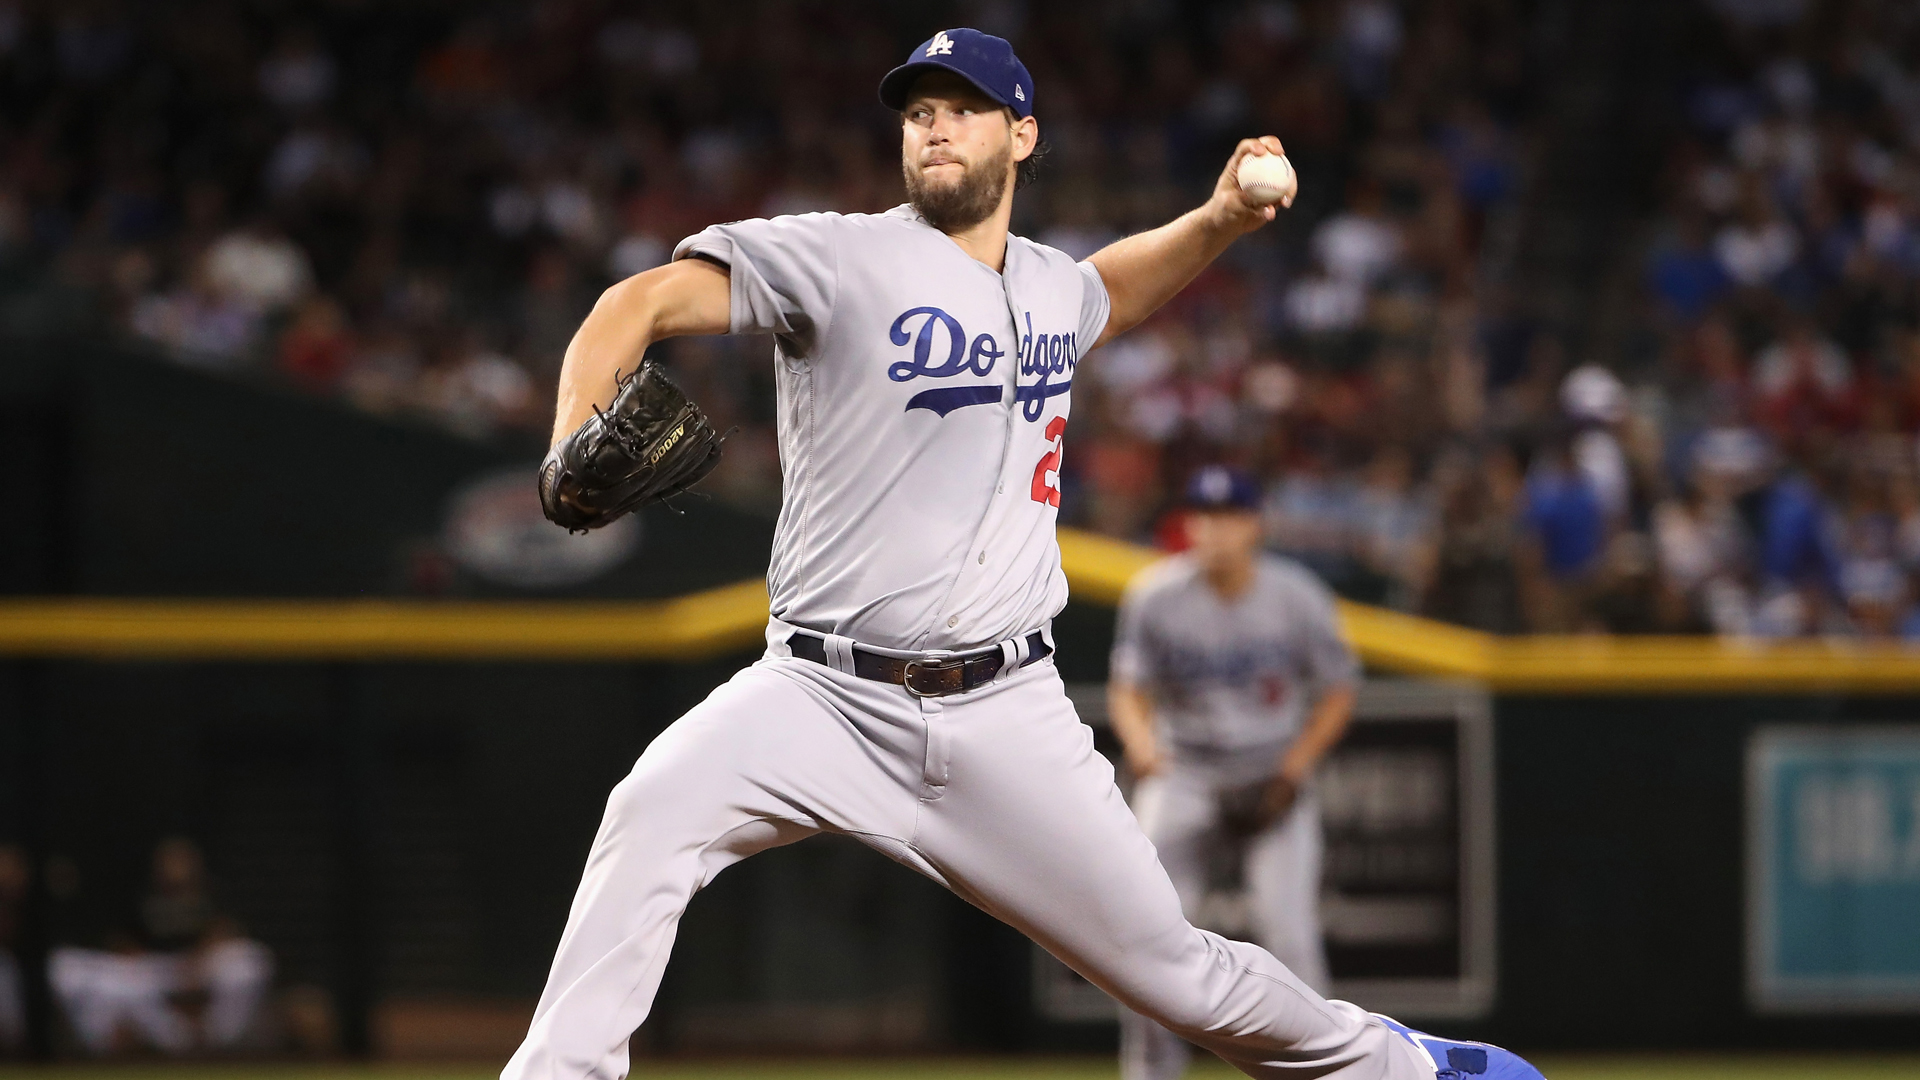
[(1148, 269), (691, 296), (1325, 725), (1130, 711)]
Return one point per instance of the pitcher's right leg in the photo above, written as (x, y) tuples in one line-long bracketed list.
[(765, 760)]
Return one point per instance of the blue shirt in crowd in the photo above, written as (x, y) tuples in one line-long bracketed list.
[(1564, 512), (1796, 546), (1689, 278)]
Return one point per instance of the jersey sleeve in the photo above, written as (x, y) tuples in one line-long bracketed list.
[(1132, 660), (785, 272), (1095, 305), (1330, 660)]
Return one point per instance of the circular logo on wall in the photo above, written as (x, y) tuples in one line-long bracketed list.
[(495, 530)]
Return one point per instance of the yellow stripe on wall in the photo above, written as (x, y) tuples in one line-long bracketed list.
[(687, 627), (733, 618)]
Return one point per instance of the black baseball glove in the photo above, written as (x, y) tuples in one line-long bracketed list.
[(1250, 809), (651, 443)]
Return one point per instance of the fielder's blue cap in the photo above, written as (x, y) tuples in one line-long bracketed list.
[(982, 59), (1220, 487)]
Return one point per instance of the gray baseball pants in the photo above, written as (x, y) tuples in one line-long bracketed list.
[(1180, 812), (997, 794)]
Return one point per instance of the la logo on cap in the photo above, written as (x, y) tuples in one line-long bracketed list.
[(940, 45)]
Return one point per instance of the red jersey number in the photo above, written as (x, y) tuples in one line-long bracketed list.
[(1044, 492)]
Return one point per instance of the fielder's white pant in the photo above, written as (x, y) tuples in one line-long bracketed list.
[(997, 794), (1179, 810)]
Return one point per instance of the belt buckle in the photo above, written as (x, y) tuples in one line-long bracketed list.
[(915, 668)]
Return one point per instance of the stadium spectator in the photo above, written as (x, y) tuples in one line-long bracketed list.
[(1358, 245), (1685, 273), (1595, 401), (1803, 383), (1484, 571), (1699, 543), (1566, 521), (1309, 515), (1799, 558), (183, 980), (1394, 528), (258, 268), (316, 347)]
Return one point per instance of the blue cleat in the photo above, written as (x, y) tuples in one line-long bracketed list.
[(1454, 1059)]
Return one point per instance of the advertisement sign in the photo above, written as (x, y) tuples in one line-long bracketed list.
[(1407, 897), (1833, 861)]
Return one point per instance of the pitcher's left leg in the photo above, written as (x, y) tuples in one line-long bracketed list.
[(1030, 827)]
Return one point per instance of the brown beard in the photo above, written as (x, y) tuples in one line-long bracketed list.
[(953, 208)]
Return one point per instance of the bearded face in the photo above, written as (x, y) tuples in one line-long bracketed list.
[(956, 203)]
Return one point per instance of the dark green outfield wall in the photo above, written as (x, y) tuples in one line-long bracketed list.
[(440, 813), (1622, 870)]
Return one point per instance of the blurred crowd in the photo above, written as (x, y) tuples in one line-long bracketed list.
[(410, 209), (170, 973), (1776, 470), (1744, 462)]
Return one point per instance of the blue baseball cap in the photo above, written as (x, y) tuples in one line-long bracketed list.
[(1220, 487), (982, 59)]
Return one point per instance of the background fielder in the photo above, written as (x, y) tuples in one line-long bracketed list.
[(1230, 681)]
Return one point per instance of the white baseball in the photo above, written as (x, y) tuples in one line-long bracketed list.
[(1267, 178)]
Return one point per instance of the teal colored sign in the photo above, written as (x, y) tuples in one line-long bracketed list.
[(1833, 893)]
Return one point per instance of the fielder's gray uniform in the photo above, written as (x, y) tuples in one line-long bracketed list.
[(1231, 682), (922, 398)]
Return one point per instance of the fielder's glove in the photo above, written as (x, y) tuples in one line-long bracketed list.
[(1251, 809), (650, 444)]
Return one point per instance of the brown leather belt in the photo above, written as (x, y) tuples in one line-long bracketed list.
[(930, 677)]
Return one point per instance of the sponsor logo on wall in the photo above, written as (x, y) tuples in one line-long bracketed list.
[(1833, 869)]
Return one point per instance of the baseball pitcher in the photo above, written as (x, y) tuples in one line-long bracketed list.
[(925, 361), (1229, 682)]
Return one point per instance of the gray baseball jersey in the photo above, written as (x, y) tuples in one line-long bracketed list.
[(922, 402), (1230, 676)]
